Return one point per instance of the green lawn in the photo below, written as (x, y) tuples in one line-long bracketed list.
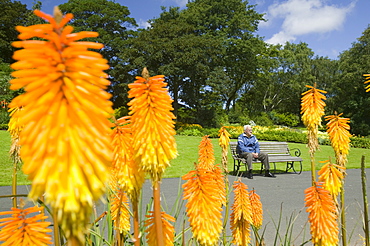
[(187, 147)]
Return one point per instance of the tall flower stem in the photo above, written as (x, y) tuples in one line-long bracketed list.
[(135, 209), (157, 213), (343, 216), (366, 213), (14, 184), (56, 229), (313, 168)]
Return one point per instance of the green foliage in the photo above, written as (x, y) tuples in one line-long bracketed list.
[(285, 119), (360, 142), (12, 13), (263, 119), (4, 117), (350, 97), (120, 112), (111, 20), (4, 126), (281, 134)]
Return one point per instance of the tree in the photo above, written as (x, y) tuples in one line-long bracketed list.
[(111, 20), (350, 97), (206, 51), (284, 72), (11, 14)]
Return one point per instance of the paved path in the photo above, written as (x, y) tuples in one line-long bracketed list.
[(281, 197)]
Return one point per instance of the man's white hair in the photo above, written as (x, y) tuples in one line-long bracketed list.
[(247, 126)]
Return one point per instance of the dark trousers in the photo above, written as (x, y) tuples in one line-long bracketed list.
[(263, 157)]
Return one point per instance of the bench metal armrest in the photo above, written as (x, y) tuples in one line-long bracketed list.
[(297, 152)]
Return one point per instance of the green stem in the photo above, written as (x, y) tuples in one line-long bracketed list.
[(56, 229), (343, 216), (313, 169), (14, 184), (366, 213)]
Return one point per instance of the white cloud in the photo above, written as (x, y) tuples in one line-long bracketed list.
[(143, 23), (302, 17)]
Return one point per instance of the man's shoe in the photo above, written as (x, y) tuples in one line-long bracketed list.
[(270, 175), (250, 174)]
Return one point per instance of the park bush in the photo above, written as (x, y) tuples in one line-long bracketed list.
[(268, 133)]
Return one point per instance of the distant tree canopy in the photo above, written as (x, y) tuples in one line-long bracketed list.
[(218, 70)]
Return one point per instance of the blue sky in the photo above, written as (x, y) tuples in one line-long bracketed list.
[(328, 26)]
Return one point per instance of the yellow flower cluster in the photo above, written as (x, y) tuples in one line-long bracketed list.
[(339, 135), (332, 177), (322, 216), (120, 210), (66, 147), (204, 205), (241, 217), (152, 125), (206, 158), (130, 176), (312, 107), (22, 230), (224, 138)]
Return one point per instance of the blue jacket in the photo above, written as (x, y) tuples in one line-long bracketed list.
[(247, 144)]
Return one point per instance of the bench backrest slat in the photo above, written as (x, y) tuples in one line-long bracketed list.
[(267, 147)]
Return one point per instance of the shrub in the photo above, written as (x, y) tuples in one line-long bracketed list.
[(3, 126), (286, 119)]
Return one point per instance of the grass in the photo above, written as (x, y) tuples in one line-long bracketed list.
[(187, 147)]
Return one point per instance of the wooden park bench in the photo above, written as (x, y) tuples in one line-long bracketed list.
[(277, 151)]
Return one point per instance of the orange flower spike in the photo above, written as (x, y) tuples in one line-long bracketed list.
[(129, 175), (257, 211), (339, 135), (66, 148), (312, 106), (21, 229), (241, 217), (332, 177), (168, 229), (203, 206), (206, 158), (322, 216), (151, 116)]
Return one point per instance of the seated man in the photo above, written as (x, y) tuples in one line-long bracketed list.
[(249, 148)]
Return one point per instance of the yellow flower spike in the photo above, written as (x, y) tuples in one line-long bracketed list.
[(338, 131), (332, 176), (257, 211), (130, 176), (151, 116), (206, 158), (312, 109), (224, 143), (22, 230), (119, 210), (241, 217), (322, 216), (224, 138), (15, 129), (367, 77), (204, 205), (66, 147), (168, 229)]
